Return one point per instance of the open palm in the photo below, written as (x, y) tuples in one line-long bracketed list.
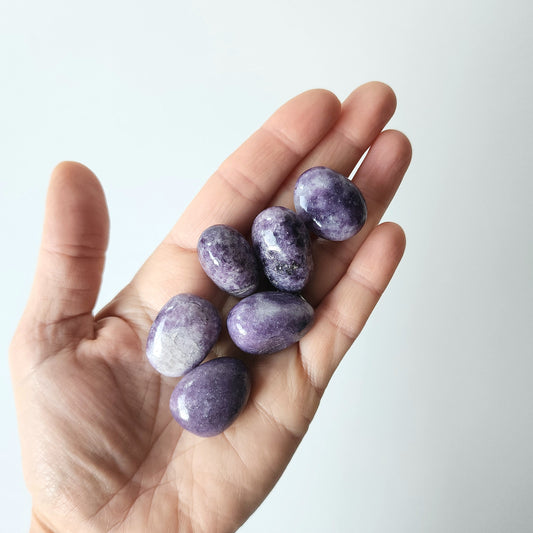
[(101, 451)]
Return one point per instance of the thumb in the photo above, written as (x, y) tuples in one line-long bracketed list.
[(71, 260)]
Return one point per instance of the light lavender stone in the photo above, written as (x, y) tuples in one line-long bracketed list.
[(228, 260), (182, 334), (282, 244), (210, 397), (267, 322), (330, 204)]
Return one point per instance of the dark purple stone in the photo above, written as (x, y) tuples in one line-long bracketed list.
[(228, 260), (182, 334), (210, 397), (267, 322), (330, 204), (282, 244)]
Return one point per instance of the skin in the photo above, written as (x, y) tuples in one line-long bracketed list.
[(100, 449)]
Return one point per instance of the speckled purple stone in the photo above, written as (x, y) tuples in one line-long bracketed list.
[(267, 322), (228, 260), (182, 334), (282, 244), (210, 397), (330, 204)]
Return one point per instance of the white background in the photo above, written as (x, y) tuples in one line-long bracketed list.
[(427, 425)]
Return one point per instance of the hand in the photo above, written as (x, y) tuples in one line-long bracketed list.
[(100, 449)]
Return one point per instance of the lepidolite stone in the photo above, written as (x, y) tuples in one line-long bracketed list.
[(330, 204), (228, 260), (210, 397), (267, 322), (282, 244), (182, 334)]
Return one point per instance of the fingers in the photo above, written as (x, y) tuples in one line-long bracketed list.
[(71, 257), (364, 115), (343, 312), (246, 181), (310, 129), (239, 189)]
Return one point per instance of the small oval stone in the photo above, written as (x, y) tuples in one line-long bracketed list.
[(282, 244), (267, 322), (330, 204), (228, 259), (210, 397), (182, 334)]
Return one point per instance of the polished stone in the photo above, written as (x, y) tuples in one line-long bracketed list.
[(267, 322), (282, 244), (210, 397), (330, 204), (228, 259), (182, 334)]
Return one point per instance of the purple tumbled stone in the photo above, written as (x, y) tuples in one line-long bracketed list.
[(267, 322), (210, 397), (228, 260), (282, 244), (182, 334), (330, 204)]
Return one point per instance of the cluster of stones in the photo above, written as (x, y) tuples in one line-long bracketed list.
[(210, 396)]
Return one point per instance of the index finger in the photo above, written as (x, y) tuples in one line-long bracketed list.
[(246, 181), (242, 186)]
